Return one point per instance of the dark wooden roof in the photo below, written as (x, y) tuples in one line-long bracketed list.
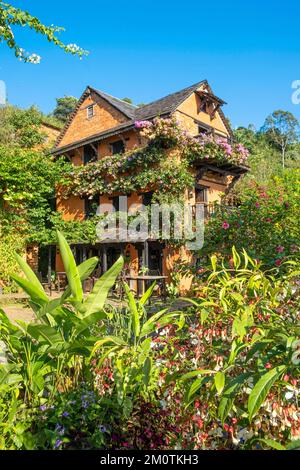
[(126, 108), (166, 105), (161, 107)]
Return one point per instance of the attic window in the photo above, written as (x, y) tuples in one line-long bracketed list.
[(90, 111), (203, 129)]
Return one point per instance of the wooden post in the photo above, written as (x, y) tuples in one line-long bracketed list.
[(104, 258), (49, 266), (146, 254)]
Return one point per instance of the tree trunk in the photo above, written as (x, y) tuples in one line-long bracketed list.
[(283, 157)]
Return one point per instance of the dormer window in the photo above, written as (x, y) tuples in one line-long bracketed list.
[(90, 111)]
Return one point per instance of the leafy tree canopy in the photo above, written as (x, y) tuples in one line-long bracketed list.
[(282, 129), (64, 107)]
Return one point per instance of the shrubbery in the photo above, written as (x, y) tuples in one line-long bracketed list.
[(223, 374)]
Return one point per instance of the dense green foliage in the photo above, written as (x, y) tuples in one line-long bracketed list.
[(64, 108), (87, 376), (28, 175)]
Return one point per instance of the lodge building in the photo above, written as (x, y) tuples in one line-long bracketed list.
[(103, 125)]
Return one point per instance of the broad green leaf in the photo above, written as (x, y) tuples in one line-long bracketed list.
[(219, 381), (89, 320), (293, 445), (36, 295), (107, 341), (45, 332), (85, 270), (70, 268), (261, 389), (238, 329), (273, 444), (203, 316), (229, 394), (98, 296), (30, 275)]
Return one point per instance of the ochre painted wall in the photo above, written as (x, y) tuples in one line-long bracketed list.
[(105, 117), (71, 208), (188, 111)]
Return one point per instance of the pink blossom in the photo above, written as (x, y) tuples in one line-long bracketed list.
[(280, 249), (225, 225), (142, 124)]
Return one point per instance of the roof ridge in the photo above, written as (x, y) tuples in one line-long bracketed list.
[(112, 96), (174, 93)]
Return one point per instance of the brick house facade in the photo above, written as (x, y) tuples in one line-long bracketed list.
[(102, 125)]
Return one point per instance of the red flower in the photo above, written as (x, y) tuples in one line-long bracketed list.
[(225, 225), (278, 262), (268, 365)]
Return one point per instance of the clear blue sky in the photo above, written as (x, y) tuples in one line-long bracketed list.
[(248, 51)]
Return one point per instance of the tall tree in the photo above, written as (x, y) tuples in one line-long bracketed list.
[(11, 16), (282, 128), (64, 107)]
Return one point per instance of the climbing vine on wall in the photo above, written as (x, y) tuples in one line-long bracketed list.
[(163, 165)]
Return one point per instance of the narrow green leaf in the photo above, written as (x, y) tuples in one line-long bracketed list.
[(30, 275), (70, 267), (146, 295), (36, 295), (261, 389), (85, 270), (273, 444), (229, 394), (97, 298), (195, 373), (134, 311), (194, 388), (147, 370), (219, 381)]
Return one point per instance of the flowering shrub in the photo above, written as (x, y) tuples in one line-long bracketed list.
[(223, 374), (230, 377), (150, 166), (264, 222), (169, 133)]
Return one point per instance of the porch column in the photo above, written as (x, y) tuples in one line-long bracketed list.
[(49, 263), (146, 254), (104, 259), (84, 253)]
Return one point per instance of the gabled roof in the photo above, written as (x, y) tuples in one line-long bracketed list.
[(167, 104), (126, 108), (161, 107)]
